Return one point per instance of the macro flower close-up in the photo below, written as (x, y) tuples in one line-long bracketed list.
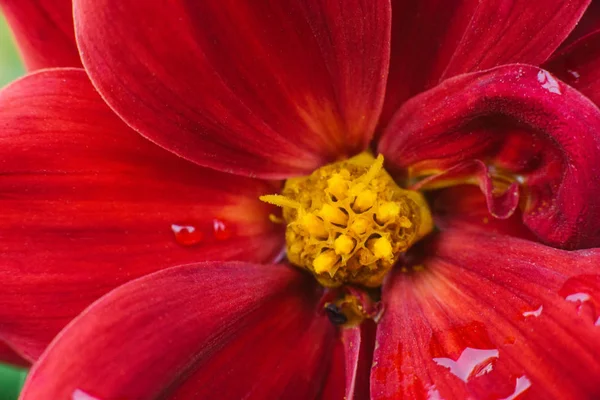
[(302, 199)]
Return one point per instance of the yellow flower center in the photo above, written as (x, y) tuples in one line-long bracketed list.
[(348, 222)]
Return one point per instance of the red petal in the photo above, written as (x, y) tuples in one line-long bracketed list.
[(589, 22), (500, 205), (335, 382), (465, 207), (88, 204), (265, 88), (44, 32), (8, 355), (433, 40), (508, 31), (237, 330), (579, 66), (521, 120), (358, 344), (491, 317)]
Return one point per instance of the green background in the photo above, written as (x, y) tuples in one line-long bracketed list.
[(11, 379), (10, 63)]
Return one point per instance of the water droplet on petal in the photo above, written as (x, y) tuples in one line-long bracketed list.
[(584, 292), (433, 393), (578, 297), (187, 235), (548, 82), (522, 384), (469, 360), (583, 303), (221, 231), (574, 74), (485, 370), (79, 394), (535, 313)]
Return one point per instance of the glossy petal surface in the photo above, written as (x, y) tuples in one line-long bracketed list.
[(437, 39), (579, 66), (239, 330), (44, 32), (491, 317), (262, 88), (528, 126), (88, 204)]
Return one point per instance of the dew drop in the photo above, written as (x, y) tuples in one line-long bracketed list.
[(469, 360), (79, 394), (548, 82), (522, 384), (583, 303), (574, 74), (584, 292), (187, 235), (535, 313), (485, 370), (221, 231), (577, 297), (433, 393)]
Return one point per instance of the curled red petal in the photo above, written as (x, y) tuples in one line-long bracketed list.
[(579, 65), (526, 124), (491, 316), (44, 32), (433, 40), (466, 207), (233, 329), (88, 204), (262, 88), (500, 205)]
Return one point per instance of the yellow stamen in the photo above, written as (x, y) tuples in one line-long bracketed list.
[(344, 244), (333, 215), (359, 226), (280, 201), (364, 201), (373, 171), (405, 222), (325, 262), (381, 247), (314, 226), (387, 211), (348, 222), (338, 186)]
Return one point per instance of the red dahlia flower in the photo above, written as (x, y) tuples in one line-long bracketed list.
[(462, 267)]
